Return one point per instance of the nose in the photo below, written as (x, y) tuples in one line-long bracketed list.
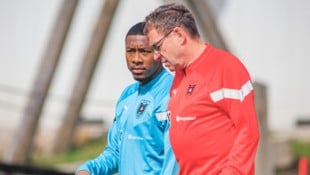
[(157, 56), (136, 58)]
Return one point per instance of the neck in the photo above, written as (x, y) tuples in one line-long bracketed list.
[(145, 81)]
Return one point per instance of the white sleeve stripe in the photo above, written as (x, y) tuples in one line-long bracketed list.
[(232, 93), (162, 116)]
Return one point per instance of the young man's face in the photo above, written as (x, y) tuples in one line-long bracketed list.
[(140, 58)]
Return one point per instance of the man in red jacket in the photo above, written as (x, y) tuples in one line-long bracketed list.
[(214, 127)]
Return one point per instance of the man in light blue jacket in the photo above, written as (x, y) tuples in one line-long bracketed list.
[(138, 140)]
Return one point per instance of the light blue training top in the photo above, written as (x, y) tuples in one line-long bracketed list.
[(138, 140)]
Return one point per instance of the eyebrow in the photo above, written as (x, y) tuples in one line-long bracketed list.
[(139, 50)]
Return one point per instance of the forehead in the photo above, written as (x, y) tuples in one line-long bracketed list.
[(153, 36), (137, 40)]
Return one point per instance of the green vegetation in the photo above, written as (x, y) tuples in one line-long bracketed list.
[(301, 148), (77, 154), (93, 148)]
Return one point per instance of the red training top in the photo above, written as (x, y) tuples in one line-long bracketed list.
[(214, 127)]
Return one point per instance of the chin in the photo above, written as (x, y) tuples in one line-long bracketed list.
[(139, 78)]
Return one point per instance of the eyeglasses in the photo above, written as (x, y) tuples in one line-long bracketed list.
[(156, 46)]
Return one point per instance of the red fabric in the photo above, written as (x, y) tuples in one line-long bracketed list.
[(303, 166), (209, 136)]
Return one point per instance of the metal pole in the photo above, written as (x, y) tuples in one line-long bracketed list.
[(20, 150), (83, 81), (208, 25)]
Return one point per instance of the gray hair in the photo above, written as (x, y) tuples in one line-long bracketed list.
[(164, 18)]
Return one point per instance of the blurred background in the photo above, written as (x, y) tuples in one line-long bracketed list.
[(62, 68)]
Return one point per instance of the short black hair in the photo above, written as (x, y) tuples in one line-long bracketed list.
[(136, 29)]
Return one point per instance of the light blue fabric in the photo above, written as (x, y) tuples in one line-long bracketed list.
[(138, 140)]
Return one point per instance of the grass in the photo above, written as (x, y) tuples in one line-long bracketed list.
[(95, 147), (77, 154), (301, 148)]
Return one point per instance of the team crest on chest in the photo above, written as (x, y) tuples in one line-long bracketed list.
[(142, 107), (190, 89)]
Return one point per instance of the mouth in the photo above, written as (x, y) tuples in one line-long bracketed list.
[(167, 64), (137, 70)]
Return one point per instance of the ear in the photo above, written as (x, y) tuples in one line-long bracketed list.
[(181, 35)]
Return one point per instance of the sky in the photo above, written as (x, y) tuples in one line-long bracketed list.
[(270, 37)]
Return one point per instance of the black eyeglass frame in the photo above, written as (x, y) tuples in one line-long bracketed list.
[(157, 45)]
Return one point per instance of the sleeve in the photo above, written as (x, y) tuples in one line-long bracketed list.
[(170, 165), (238, 102), (107, 162)]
